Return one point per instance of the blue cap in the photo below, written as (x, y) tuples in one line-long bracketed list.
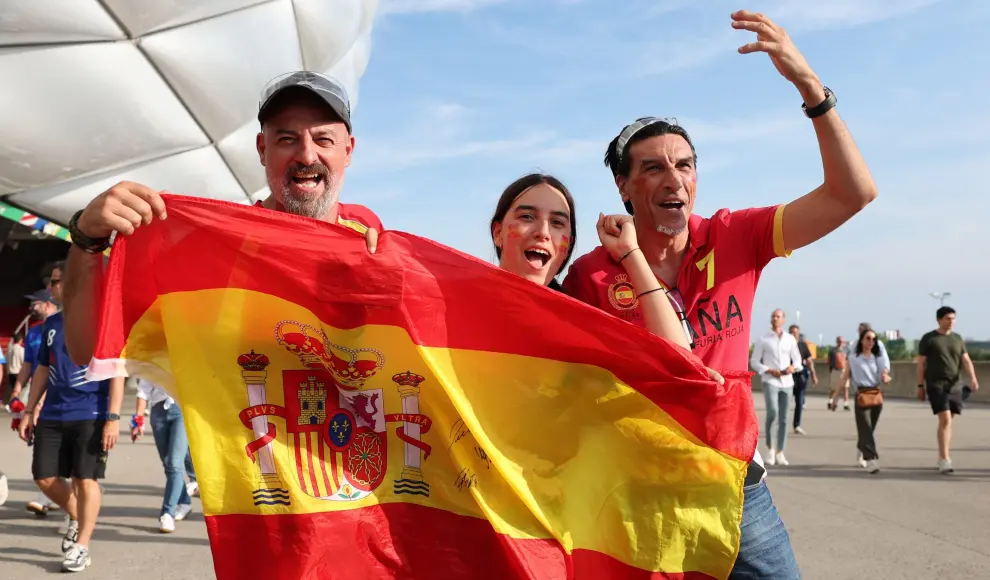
[(43, 295)]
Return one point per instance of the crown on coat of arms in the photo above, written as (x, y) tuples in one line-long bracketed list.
[(349, 367), (408, 379), (253, 361)]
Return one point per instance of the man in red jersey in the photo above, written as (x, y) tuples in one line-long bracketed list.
[(305, 145), (711, 266)]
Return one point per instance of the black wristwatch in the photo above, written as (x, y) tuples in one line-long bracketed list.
[(823, 107), (113, 417), (84, 242)]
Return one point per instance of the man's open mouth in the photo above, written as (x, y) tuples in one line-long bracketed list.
[(672, 205), (308, 181), (538, 257)]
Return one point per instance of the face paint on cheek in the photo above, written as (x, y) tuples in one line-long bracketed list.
[(513, 231), (565, 243)]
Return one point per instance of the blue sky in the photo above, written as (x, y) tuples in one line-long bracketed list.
[(462, 96)]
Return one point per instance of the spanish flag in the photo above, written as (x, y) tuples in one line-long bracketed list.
[(417, 413)]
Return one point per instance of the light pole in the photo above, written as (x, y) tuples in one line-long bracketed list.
[(941, 296)]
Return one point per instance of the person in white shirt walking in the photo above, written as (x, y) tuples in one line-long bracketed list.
[(776, 357), (173, 448)]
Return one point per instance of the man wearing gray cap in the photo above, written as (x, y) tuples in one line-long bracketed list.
[(305, 146)]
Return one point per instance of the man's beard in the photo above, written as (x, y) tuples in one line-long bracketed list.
[(670, 231), (307, 205)]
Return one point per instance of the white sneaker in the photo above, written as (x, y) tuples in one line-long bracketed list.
[(860, 461), (799, 431), (38, 508), (71, 537), (945, 466), (873, 465), (166, 524), (192, 488), (771, 457), (4, 492), (76, 559), (781, 460), (182, 510)]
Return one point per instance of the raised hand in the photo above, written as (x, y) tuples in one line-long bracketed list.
[(122, 209), (773, 40), (617, 234)]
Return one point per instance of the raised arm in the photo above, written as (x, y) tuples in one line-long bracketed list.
[(121, 209), (82, 294), (848, 186)]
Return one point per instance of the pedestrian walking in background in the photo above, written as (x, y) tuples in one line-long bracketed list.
[(776, 357), (867, 369)]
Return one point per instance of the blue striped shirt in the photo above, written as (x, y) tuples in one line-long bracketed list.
[(865, 370)]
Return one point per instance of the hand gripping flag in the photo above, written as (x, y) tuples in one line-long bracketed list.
[(418, 413)]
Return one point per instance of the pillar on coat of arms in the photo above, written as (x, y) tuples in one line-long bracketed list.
[(408, 384), (256, 379)]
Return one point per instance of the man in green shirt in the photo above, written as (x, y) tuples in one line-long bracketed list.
[(941, 353)]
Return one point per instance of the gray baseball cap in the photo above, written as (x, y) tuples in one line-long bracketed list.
[(323, 86)]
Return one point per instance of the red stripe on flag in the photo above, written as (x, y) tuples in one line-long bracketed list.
[(432, 543), (439, 295), (309, 461)]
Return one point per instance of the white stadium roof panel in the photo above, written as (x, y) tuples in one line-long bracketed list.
[(239, 151), (218, 66), (50, 21), (162, 92), (141, 16), (329, 28), (79, 109), (186, 173)]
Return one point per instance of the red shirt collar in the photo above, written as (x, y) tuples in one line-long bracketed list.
[(698, 231)]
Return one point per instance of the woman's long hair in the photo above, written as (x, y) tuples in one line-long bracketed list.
[(876, 343), (516, 188)]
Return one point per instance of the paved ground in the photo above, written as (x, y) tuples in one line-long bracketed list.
[(905, 522)]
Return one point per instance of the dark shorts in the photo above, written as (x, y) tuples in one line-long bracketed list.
[(69, 449), (942, 398)]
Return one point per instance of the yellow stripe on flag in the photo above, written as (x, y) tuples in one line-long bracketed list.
[(540, 448)]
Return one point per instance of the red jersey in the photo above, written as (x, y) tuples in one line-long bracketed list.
[(354, 216), (716, 283)]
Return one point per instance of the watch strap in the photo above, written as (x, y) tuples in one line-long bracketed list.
[(84, 242), (823, 107), (113, 417)]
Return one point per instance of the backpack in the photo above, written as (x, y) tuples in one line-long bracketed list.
[(840, 360)]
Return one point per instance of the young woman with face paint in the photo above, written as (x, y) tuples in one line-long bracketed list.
[(533, 230)]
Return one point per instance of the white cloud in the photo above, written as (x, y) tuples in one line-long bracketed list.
[(414, 6), (801, 14), (440, 132)]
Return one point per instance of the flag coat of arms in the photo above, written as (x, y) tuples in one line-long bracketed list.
[(418, 413)]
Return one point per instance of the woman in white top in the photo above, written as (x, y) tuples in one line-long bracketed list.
[(173, 448), (867, 369)]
